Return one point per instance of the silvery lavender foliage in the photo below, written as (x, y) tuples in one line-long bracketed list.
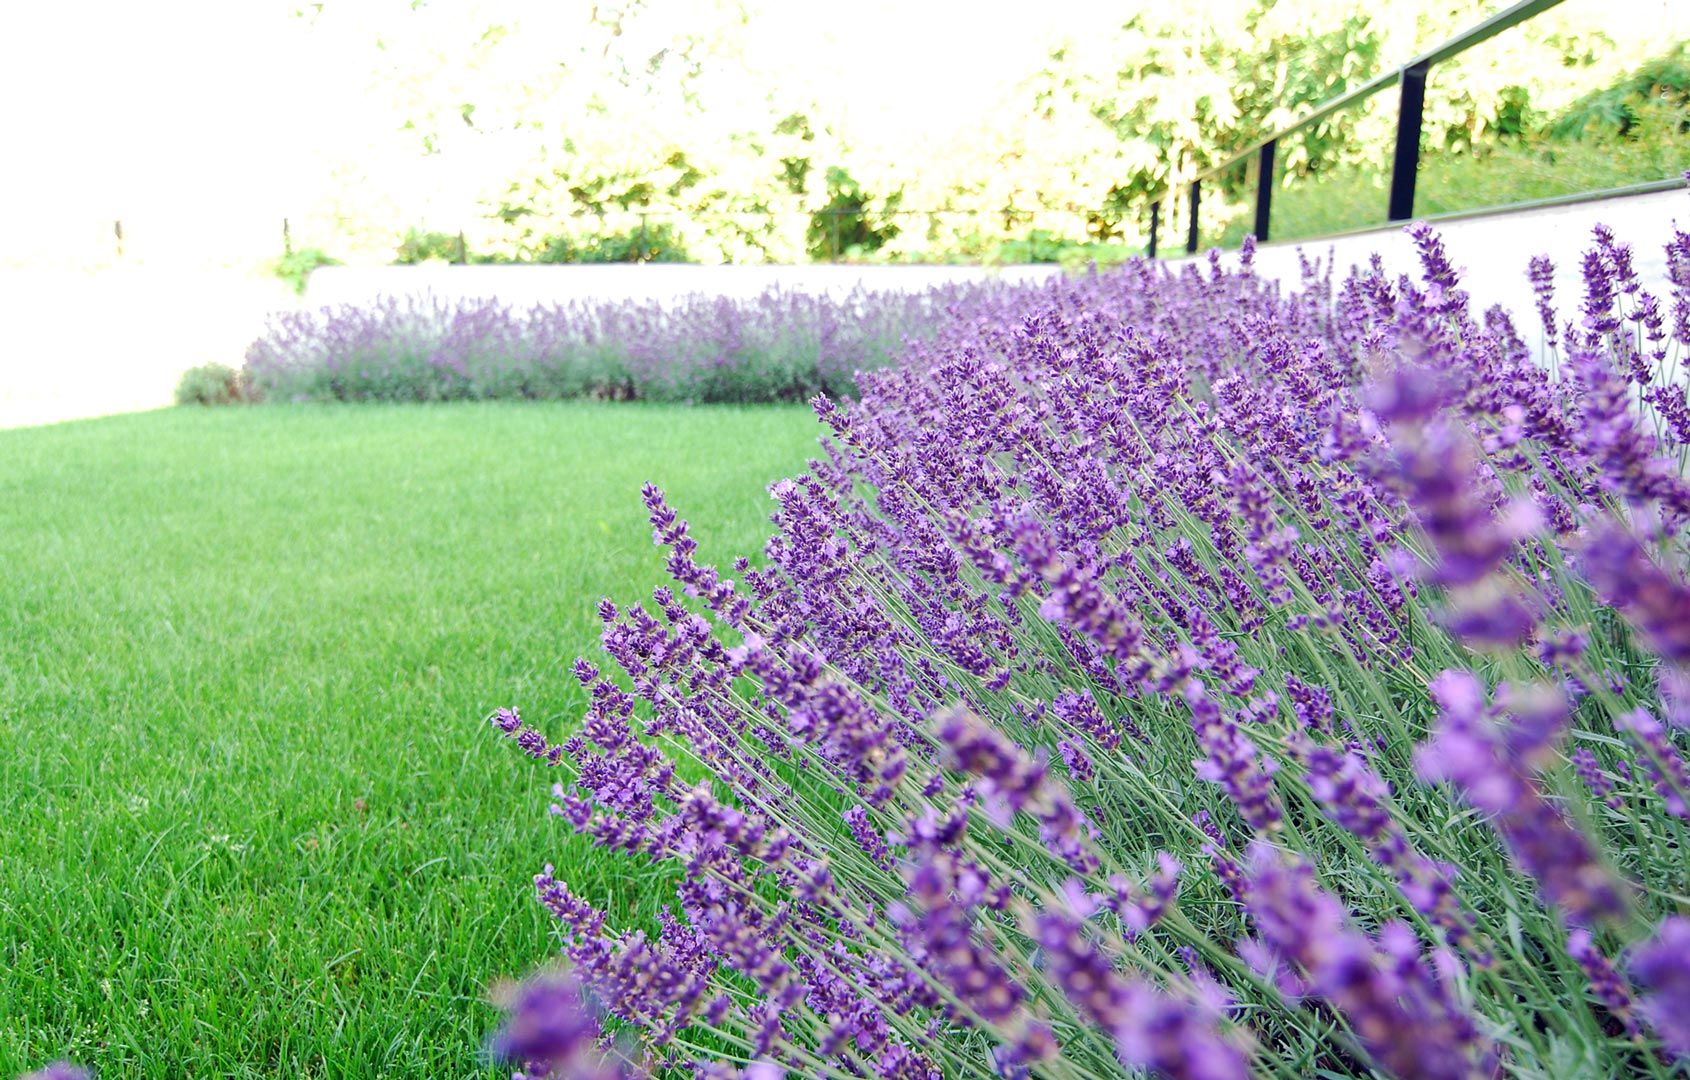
[(1164, 670), (783, 345)]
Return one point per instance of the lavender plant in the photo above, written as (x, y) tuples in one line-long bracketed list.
[(1167, 671), (780, 346)]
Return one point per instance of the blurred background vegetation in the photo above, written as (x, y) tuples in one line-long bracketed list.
[(752, 131)]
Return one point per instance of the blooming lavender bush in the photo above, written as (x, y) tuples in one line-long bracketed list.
[(781, 346), (1163, 671)]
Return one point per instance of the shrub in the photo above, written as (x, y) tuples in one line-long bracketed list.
[(420, 247), (1170, 671), (847, 227), (211, 384), (1043, 246), (657, 242), (779, 346), (295, 267)]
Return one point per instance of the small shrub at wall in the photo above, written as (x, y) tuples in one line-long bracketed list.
[(211, 384), (421, 247), (295, 267), (657, 242)]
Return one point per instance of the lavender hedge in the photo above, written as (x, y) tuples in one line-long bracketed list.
[(1164, 672), (780, 346)]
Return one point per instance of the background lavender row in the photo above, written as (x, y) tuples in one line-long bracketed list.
[(779, 346)]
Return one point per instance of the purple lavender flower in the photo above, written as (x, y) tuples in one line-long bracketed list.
[(1011, 782), (1659, 759), (972, 747), (1220, 859), (1606, 983), (1398, 1009), (1357, 798), (1233, 762), (1650, 598), (940, 934), (868, 838), (1081, 769), (1589, 770), (1542, 275), (1141, 907), (1171, 1038), (1437, 469), (527, 738), (1071, 517), (1311, 704), (1661, 967), (59, 1070), (550, 1032), (1469, 750)]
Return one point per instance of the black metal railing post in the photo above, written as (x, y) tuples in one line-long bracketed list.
[(1405, 162), (1155, 221), (1191, 226), (1264, 189)]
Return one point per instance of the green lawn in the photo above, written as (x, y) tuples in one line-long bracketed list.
[(251, 820)]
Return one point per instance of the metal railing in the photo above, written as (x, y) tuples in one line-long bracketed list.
[(1405, 157)]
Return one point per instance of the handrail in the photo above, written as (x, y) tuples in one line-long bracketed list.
[(1405, 161), (1506, 19)]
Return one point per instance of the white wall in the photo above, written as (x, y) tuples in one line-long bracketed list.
[(77, 343), (1491, 252)]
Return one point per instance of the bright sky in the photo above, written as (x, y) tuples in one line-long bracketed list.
[(221, 113), (119, 108)]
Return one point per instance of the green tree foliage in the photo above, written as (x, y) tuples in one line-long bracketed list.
[(1618, 108), (1186, 101), (849, 225), (423, 246), (585, 122)]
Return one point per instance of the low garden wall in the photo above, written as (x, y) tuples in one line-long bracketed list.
[(1492, 250)]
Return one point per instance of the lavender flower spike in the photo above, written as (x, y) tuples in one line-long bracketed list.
[(1468, 750), (1607, 984), (1659, 759), (1662, 967), (1650, 598), (1152, 1030), (1398, 1009), (550, 1034)]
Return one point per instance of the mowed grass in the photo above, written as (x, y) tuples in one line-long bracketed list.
[(251, 820)]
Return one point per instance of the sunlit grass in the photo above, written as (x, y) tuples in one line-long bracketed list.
[(252, 824)]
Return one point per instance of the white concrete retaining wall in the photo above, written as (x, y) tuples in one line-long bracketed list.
[(1491, 252)]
